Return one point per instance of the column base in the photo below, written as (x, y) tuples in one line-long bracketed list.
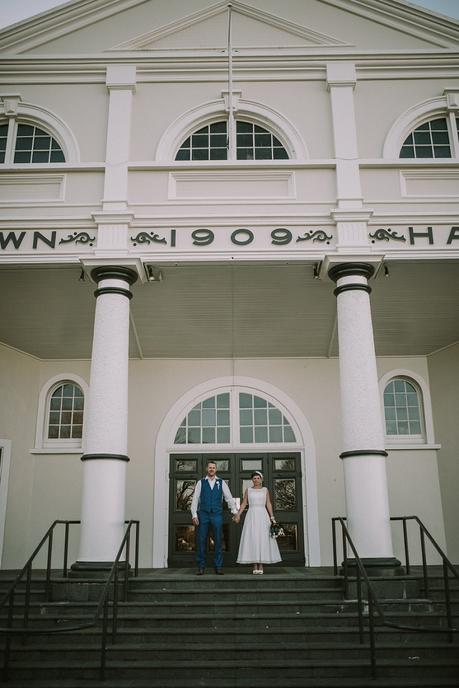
[(94, 569), (376, 566)]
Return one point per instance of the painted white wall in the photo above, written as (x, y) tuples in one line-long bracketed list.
[(46, 487)]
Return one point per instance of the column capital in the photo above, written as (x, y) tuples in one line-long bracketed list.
[(350, 269), (120, 272), (121, 78), (341, 74)]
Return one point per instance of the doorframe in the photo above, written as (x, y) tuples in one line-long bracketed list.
[(165, 446), (5, 448)]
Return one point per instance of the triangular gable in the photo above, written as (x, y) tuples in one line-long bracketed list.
[(96, 26), (259, 29)]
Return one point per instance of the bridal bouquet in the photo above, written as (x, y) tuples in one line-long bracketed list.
[(276, 530)]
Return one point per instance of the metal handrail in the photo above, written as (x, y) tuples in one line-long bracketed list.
[(104, 599), (373, 603)]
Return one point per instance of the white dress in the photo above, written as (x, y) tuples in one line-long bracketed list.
[(257, 546)]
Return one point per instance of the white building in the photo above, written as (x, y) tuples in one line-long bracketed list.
[(249, 195)]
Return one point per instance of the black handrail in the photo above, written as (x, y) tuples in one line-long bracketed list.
[(104, 599), (373, 603)]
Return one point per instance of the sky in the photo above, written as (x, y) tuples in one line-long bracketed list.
[(12, 11)]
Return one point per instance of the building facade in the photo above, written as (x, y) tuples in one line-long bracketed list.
[(229, 232)]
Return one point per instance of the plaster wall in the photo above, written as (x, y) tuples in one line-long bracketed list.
[(444, 382), (49, 486), (82, 106), (379, 103)]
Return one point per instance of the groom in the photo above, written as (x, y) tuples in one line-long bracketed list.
[(207, 510)]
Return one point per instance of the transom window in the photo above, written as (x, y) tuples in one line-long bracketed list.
[(248, 417), (30, 144), (65, 413), (430, 140), (252, 143), (402, 409)]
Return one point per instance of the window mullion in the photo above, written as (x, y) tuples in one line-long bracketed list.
[(10, 140), (454, 138), (231, 135)]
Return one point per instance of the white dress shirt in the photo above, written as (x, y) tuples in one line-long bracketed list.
[(226, 494)]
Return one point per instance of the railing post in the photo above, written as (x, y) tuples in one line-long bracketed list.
[(25, 622), (345, 567), (407, 551), (48, 566), (104, 641), (126, 564), (371, 627), (360, 604), (449, 616), (66, 549), (6, 658), (137, 545), (335, 556), (115, 606), (424, 563)]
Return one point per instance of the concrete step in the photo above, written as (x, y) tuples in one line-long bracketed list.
[(249, 680), (199, 668)]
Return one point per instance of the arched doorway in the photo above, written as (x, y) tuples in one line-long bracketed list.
[(239, 422)]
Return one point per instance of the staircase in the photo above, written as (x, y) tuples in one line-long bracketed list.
[(290, 628)]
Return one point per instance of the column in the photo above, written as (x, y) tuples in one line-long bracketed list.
[(364, 455), (350, 216), (105, 458)]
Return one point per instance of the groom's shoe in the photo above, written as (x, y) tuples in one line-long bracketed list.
[(200, 572), (219, 572)]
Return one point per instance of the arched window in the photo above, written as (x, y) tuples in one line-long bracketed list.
[(245, 417), (430, 140), (252, 143), (65, 412), (403, 410), (26, 143), (60, 420)]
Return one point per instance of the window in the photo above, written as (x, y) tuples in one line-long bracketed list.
[(260, 421), (249, 418), (65, 413), (433, 139), (29, 144), (252, 143), (207, 423), (403, 410)]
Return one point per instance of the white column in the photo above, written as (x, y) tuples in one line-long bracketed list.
[(105, 458), (364, 455)]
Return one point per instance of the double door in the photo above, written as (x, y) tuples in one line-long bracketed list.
[(282, 476)]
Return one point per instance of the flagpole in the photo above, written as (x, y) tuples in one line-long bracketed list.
[(231, 123)]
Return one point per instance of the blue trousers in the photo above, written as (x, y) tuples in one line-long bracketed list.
[(215, 522)]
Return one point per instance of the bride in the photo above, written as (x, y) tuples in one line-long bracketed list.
[(257, 547)]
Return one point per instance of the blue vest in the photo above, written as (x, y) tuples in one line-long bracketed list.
[(211, 500)]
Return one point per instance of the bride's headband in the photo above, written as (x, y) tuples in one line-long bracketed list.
[(258, 473)]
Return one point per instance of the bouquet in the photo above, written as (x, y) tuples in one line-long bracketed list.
[(276, 530)]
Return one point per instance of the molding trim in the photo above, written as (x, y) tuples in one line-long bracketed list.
[(105, 457), (352, 287), (363, 452), (113, 290), (215, 110), (119, 272), (350, 270)]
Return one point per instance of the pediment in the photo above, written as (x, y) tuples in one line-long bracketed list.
[(251, 27), (95, 27)]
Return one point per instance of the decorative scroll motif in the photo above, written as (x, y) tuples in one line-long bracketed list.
[(386, 235), (318, 235), (148, 238), (78, 238)]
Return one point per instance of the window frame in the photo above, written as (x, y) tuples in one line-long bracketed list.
[(44, 444), (13, 111), (426, 439), (452, 126), (235, 442)]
